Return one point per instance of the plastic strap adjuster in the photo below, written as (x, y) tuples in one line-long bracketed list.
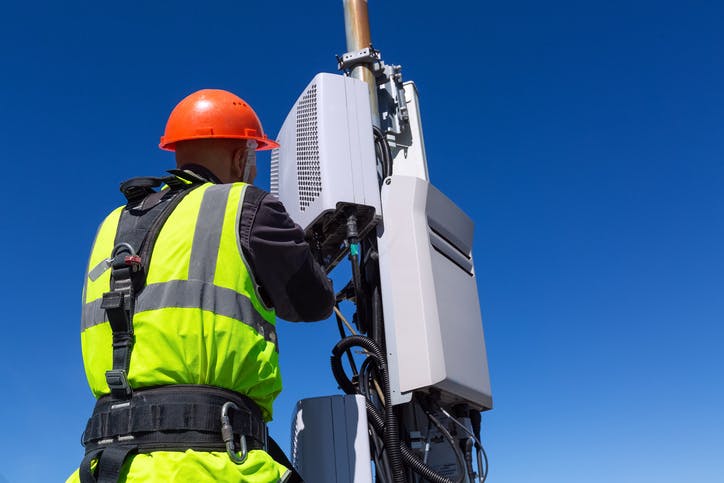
[(116, 306), (118, 383)]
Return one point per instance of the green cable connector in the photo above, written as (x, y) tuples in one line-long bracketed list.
[(354, 249)]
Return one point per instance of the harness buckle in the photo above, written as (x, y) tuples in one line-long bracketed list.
[(118, 383), (227, 433)]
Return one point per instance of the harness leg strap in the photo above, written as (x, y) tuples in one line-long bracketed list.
[(84, 471), (111, 462), (279, 456)]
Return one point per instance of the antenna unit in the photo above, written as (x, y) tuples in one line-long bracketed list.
[(325, 169)]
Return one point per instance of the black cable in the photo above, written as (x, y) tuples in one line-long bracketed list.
[(485, 456), (338, 372), (379, 154), (365, 376), (374, 395), (346, 293), (469, 458), (451, 441), (386, 152), (410, 458), (342, 335), (380, 162), (379, 149), (379, 423), (374, 353), (476, 421), (484, 474), (364, 379), (354, 257), (382, 464), (359, 292), (390, 434)]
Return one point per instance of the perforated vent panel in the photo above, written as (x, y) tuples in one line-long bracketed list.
[(274, 174), (308, 173)]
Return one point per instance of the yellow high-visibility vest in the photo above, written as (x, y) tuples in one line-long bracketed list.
[(199, 318)]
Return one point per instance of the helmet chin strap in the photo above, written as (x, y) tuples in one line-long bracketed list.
[(250, 160)]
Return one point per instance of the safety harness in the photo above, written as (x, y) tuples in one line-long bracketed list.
[(164, 418)]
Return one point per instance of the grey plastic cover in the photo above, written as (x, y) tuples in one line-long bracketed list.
[(433, 325), (330, 443)]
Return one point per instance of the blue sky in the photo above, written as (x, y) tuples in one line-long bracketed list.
[(585, 141)]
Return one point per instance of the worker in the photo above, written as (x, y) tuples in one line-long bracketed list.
[(180, 300)]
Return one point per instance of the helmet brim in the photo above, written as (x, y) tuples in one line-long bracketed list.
[(263, 143)]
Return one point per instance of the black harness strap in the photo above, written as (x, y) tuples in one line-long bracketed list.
[(84, 471), (280, 457), (111, 462), (138, 227)]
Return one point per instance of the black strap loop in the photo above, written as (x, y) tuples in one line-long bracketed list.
[(111, 463), (84, 471)]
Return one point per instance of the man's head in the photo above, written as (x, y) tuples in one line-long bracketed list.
[(231, 160), (218, 130)]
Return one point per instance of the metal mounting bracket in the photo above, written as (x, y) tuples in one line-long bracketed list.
[(367, 57)]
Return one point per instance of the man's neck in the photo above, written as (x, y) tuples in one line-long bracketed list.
[(202, 172)]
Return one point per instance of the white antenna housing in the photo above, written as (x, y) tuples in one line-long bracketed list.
[(326, 162)]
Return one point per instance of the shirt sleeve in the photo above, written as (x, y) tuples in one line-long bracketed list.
[(290, 279)]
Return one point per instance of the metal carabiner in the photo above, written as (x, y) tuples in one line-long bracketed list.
[(227, 433)]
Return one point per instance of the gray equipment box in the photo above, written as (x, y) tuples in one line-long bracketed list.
[(330, 442), (433, 326)]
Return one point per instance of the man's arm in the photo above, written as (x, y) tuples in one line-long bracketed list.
[(291, 280)]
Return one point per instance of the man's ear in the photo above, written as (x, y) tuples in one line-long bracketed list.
[(237, 164)]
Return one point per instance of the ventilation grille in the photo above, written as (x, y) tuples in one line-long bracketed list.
[(274, 174), (308, 174)]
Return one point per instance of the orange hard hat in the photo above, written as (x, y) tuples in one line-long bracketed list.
[(214, 113)]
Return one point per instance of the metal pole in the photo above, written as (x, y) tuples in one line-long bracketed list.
[(357, 29)]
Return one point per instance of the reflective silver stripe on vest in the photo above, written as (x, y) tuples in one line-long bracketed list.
[(191, 294), (92, 315), (207, 235)]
